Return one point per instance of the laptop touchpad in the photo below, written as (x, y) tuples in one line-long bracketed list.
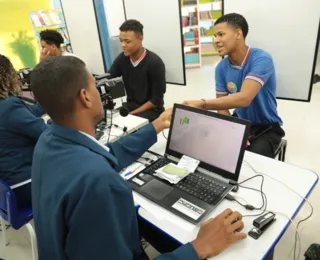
[(156, 189)]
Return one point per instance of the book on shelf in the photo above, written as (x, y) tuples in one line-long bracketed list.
[(191, 38), (206, 15), (206, 32), (188, 2), (190, 20)]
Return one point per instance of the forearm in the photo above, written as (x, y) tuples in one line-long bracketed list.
[(224, 112), (145, 107), (228, 102)]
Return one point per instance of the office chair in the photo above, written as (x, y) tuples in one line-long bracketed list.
[(15, 216)]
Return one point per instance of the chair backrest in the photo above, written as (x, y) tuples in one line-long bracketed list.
[(8, 202)]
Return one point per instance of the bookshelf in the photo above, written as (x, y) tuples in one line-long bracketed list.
[(50, 20), (198, 17)]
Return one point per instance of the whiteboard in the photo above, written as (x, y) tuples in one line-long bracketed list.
[(82, 27), (115, 15), (288, 30), (162, 33)]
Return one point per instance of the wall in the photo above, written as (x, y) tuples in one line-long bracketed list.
[(17, 39)]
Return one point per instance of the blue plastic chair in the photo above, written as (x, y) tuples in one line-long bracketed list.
[(15, 216)]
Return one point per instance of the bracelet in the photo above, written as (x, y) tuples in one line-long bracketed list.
[(204, 104)]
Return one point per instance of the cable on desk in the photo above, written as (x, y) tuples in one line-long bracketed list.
[(110, 126), (263, 197), (304, 198), (164, 135)]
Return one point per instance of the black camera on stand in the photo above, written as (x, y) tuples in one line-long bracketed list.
[(25, 78), (109, 89)]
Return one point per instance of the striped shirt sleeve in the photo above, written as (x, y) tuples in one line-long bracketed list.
[(261, 69)]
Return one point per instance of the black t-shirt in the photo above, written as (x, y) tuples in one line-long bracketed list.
[(145, 82)]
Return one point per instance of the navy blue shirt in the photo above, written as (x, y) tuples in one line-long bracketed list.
[(258, 66), (20, 127), (82, 207)]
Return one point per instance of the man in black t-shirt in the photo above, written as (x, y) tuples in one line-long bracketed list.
[(143, 73)]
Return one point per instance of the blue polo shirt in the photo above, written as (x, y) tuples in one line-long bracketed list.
[(258, 66)]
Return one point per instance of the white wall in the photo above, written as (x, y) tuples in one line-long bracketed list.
[(115, 15), (162, 33), (82, 26), (288, 30)]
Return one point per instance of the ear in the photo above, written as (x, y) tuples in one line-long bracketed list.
[(239, 34), (85, 98), (141, 37)]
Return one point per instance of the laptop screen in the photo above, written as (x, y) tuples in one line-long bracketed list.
[(213, 140)]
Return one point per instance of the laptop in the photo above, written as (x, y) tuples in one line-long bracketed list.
[(217, 141)]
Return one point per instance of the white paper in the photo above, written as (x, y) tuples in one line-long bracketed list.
[(188, 163)]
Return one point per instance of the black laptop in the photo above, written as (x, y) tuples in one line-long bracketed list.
[(217, 141)]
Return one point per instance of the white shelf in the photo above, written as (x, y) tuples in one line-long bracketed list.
[(191, 27), (207, 37), (192, 46), (189, 6), (193, 65)]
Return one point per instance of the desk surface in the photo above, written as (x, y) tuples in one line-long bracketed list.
[(281, 200), (133, 123)]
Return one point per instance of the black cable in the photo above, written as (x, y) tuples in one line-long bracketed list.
[(263, 197), (261, 187), (110, 127), (164, 135), (295, 238), (303, 220)]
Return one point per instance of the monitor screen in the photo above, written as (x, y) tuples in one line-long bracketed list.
[(209, 139)]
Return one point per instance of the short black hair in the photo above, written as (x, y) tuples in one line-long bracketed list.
[(52, 37), (132, 25), (56, 82), (235, 20)]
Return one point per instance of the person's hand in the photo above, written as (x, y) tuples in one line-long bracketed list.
[(248, 143), (44, 54), (219, 233), (195, 103), (163, 121)]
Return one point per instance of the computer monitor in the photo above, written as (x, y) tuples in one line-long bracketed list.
[(217, 141)]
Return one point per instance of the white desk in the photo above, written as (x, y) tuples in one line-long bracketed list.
[(133, 123), (280, 199)]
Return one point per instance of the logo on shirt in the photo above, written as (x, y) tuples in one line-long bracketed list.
[(232, 87)]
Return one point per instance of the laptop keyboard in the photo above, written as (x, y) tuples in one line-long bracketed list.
[(198, 186), (201, 187)]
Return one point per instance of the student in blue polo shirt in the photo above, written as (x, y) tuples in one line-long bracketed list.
[(246, 82), (82, 207)]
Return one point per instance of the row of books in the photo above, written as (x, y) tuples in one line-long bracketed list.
[(206, 32), (47, 18), (206, 15), (188, 2), (190, 20), (191, 38)]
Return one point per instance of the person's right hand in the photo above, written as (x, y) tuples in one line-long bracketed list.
[(44, 54), (219, 233)]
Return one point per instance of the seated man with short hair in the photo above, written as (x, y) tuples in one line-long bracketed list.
[(83, 209), (142, 71), (246, 81)]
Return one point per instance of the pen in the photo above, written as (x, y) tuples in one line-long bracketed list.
[(132, 171)]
